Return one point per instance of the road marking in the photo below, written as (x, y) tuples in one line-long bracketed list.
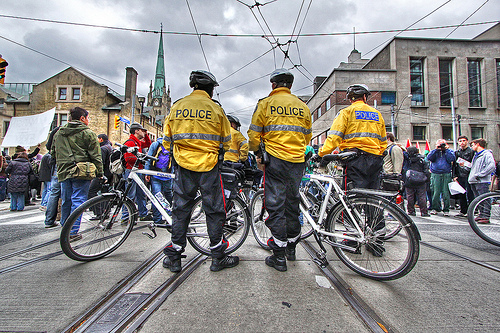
[(22, 217)]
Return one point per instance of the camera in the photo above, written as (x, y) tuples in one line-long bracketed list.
[(442, 146)]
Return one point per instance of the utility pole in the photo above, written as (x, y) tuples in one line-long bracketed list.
[(132, 110), (392, 119)]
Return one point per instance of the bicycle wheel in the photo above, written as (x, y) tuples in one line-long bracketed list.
[(97, 228), (376, 258), (259, 215), (484, 217), (236, 226)]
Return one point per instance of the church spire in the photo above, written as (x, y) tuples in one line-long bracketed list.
[(160, 70)]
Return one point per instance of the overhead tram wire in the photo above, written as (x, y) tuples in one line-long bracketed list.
[(236, 71), (209, 34), (408, 27), (468, 17), (293, 30)]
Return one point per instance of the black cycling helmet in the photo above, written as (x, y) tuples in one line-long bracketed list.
[(233, 119), (203, 78), (281, 75), (357, 90)]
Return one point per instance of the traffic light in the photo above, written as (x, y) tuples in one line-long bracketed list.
[(117, 121), (3, 65)]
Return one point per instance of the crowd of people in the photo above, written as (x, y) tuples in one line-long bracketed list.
[(197, 144)]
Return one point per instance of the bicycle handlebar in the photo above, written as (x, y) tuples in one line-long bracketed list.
[(135, 151)]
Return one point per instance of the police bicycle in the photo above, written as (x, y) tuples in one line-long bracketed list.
[(484, 217), (103, 223), (359, 224)]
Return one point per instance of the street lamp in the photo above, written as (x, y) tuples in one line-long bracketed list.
[(395, 114)]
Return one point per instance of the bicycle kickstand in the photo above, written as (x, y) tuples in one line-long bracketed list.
[(321, 254), (151, 227)]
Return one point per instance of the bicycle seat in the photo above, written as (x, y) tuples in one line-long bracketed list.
[(342, 157)]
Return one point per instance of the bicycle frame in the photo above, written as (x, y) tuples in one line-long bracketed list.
[(333, 187)]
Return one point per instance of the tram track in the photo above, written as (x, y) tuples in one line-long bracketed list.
[(140, 306), (363, 310)]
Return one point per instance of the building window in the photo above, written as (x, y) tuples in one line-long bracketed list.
[(389, 129), (418, 133), (447, 132), (476, 132), (62, 94), (417, 81), (314, 115), (319, 113), (76, 94), (474, 76), (60, 119), (5, 127), (2, 103), (445, 82), (388, 97), (328, 103)]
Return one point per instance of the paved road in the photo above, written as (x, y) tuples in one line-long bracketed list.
[(444, 293)]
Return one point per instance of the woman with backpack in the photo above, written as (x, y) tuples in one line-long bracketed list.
[(416, 180), (19, 171)]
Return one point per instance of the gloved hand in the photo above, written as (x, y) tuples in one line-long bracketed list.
[(316, 158)]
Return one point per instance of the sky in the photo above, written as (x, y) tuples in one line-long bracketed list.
[(37, 50)]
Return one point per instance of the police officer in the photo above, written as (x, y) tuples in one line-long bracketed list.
[(197, 130), (360, 128), (238, 151), (282, 122)]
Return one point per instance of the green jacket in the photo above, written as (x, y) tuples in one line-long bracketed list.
[(82, 142)]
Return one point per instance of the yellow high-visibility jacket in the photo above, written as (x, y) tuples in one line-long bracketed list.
[(238, 151), (357, 126), (197, 127), (283, 122)]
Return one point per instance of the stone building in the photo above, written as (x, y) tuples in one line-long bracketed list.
[(453, 83)]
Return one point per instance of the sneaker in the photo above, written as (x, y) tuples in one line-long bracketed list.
[(460, 215), (425, 215), (351, 244), (97, 218), (290, 253), (482, 221), (75, 237), (42, 208), (278, 262), (433, 212), (226, 262), (173, 265), (446, 213), (412, 214), (55, 224)]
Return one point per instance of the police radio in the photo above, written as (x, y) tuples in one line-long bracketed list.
[(264, 155)]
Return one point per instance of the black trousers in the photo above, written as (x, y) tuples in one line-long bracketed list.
[(364, 171), (465, 198), (185, 188), (281, 200)]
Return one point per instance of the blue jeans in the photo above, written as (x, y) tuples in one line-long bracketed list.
[(137, 195), (45, 193), (17, 201), (74, 193), (165, 187), (53, 201), (3, 188)]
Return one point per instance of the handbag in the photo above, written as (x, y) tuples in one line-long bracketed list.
[(415, 178), (81, 170)]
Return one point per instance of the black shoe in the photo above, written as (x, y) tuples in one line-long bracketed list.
[(278, 262), (174, 265), (226, 262), (290, 253), (376, 248), (148, 217), (351, 244), (98, 218), (55, 224), (75, 237)]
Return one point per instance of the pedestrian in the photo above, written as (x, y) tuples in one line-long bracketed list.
[(361, 129), (19, 171), (53, 205), (76, 149), (483, 165), (282, 124), (417, 190), (393, 165), (441, 159), (45, 176), (461, 170), (139, 138), (3, 177), (198, 140), (96, 184), (238, 151), (160, 186)]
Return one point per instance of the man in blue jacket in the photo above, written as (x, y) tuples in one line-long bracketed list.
[(441, 160)]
